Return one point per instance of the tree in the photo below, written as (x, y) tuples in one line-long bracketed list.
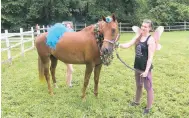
[(27, 13), (12, 14)]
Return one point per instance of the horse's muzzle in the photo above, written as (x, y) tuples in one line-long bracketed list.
[(107, 50)]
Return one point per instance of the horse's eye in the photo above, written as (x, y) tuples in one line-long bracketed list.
[(113, 31)]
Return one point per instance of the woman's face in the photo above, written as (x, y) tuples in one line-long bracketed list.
[(69, 26), (145, 28)]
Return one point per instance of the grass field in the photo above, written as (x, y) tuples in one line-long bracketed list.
[(23, 96)]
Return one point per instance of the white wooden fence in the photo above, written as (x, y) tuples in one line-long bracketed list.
[(127, 27), (13, 44), (22, 38)]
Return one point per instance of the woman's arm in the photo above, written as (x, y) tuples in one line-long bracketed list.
[(130, 43), (151, 50)]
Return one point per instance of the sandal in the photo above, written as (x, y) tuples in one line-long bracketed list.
[(146, 110), (135, 103)]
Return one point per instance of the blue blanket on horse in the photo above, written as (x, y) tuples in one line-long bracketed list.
[(55, 33)]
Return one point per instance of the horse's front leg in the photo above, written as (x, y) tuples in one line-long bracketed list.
[(88, 71), (96, 78)]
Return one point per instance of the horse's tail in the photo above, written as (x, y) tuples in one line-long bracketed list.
[(41, 70)]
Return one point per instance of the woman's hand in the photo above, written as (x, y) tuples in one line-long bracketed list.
[(117, 45), (144, 74)]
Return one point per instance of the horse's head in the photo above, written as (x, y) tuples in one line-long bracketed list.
[(109, 29)]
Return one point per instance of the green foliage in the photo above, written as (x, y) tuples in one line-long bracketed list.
[(27, 13), (142, 11), (161, 11), (12, 14), (170, 11), (181, 11)]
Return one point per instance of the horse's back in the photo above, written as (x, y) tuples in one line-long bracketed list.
[(72, 47), (76, 47)]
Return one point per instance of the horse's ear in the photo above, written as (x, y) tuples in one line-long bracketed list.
[(113, 17), (103, 18)]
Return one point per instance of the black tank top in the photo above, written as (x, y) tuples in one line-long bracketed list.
[(141, 55)]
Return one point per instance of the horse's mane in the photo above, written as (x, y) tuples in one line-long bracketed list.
[(88, 28)]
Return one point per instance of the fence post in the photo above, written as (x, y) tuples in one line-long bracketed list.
[(85, 25), (75, 27), (38, 30), (47, 28), (169, 28), (22, 41), (120, 27), (8, 46), (43, 28), (32, 35), (184, 25)]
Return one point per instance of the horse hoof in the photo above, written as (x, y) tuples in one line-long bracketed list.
[(52, 94), (96, 95), (55, 86), (84, 99)]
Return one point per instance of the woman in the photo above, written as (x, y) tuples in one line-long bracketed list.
[(144, 51)]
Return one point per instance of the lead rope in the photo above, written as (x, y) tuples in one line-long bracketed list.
[(126, 64), (133, 69)]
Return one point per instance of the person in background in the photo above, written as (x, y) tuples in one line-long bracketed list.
[(69, 66)]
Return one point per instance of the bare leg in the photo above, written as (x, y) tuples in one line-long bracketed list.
[(69, 74), (96, 78), (88, 71), (52, 68)]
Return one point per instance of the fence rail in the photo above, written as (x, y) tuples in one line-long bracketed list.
[(176, 26), (127, 27), (14, 40), (10, 41)]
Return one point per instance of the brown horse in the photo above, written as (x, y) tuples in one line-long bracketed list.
[(82, 47)]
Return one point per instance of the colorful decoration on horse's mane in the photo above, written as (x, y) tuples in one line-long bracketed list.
[(108, 19), (157, 34), (99, 37), (106, 58)]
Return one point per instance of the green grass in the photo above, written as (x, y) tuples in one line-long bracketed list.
[(24, 96)]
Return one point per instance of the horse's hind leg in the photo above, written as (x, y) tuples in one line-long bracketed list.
[(52, 68), (45, 61), (96, 78), (88, 71)]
